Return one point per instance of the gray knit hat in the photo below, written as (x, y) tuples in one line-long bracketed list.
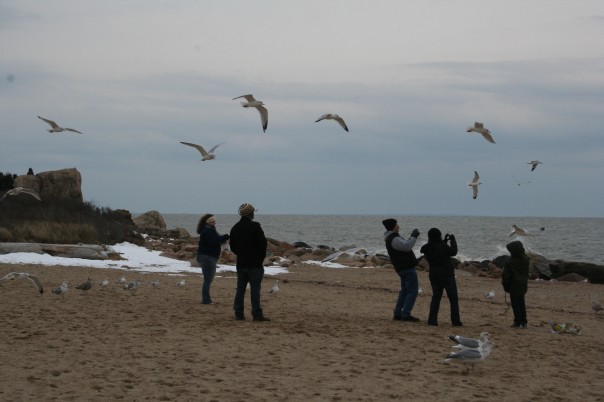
[(246, 209)]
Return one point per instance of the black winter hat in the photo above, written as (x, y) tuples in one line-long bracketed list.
[(389, 223), (434, 234)]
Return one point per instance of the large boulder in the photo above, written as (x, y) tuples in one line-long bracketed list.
[(593, 272), (65, 183), (150, 220)]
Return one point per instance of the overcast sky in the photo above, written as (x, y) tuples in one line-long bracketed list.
[(138, 77)]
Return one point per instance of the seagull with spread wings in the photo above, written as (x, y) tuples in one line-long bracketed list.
[(22, 190), (205, 156), (479, 128), (330, 116), (55, 128), (474, 184), (534, 164), (20, 275), (259, 105)]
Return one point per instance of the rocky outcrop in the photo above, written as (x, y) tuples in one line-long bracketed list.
[(151, 223), (65, 183)]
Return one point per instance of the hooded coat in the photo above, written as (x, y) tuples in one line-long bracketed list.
[(516, 270)]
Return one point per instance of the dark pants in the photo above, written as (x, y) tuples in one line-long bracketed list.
[(519, 308), (253, 276), (208, 268), (438, 286)]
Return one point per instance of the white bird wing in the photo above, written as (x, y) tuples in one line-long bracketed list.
[(198, 147), (474, 192), (476, 177), (322, 117), (31, 192), (487, 136), (52, 123), (71, 129), (249, 97), (464, 341), (36, 282), (214, 147), (263, 116), (341, 122)]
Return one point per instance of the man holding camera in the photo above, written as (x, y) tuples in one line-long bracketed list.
[(442, 274)]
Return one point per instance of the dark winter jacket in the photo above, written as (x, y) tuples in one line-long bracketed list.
[(210, 241), (401, 255), (516, 270), (248, 243), (438, 254)]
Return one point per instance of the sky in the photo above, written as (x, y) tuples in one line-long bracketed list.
[(138, 77)]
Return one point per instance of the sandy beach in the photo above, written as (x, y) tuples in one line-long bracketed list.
[(331, 338)]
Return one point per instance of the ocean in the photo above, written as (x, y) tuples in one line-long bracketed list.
[(478, 238)]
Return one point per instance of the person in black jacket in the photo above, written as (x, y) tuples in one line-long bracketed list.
[(249, 244), (442, 274), (514, 279), (208, 252)]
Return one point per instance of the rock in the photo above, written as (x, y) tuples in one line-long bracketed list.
[(593, 272), (540, 266), (65, 183), (572, 277), (150, 220), (178, 233), (301, 244)]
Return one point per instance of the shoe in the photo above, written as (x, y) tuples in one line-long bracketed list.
[(396, 318), (261, 318), (457, 324), (239, 318), (434, 324), (515, 325), (410, 318), (523, 326)]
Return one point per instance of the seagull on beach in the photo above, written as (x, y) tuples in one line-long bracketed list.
[(154, 284), (479, 128), (55, 128), (595, 306), (86, 286), (534, 164), (329, 116), (121, 281), (104, 283), (21, 275), (490, 295), (205, 156), (275, 287), (462, 342), (181, 283), (61, 290), (519, 232), (259, 105), (474, 184), (22, 190), (132, 286), (470, 356)]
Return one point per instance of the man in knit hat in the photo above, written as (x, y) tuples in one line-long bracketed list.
[(405, 263), (248, 242)]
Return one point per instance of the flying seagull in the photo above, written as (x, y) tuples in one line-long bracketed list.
[(519, 231), (19, 275), (534, 164), (56, 128), (19, 190), (474, 184), (479, 128), (205, 156), (335, 117), (251, 102)]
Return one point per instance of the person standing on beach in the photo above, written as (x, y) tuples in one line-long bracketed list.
[(442, 274), (401, 254), (208, 252), (249, 244), (515, 281)]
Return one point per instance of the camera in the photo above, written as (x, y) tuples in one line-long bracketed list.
[(447, 237)]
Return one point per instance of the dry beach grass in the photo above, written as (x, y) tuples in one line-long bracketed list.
[(331, 338)]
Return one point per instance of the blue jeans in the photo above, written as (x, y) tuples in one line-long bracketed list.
[(408, 293), (208, 268), (438, 286), (253, 276)]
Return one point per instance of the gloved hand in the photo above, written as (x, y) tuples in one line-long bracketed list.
[(415, 233)]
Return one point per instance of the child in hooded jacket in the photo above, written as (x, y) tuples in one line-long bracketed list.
[(515, 281)]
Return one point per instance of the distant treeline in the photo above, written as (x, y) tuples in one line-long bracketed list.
[(6, 181)]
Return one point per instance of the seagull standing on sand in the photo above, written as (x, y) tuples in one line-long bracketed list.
[(154, 284), (534, 164), (479, 128), (21, 275), (104, 283), (474, 184), (181, 283), (205, 156), (61, 290), (259, 105), (275, 287), (55, 128), (519, 231), (22, 190), (595, 306), (335, 117), (490, 295), (121, 281), (132, 286), (470, 356), (86, 286)]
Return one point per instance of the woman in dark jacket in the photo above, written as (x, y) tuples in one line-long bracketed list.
[(208, 252), (515, 281), (442, 274)]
